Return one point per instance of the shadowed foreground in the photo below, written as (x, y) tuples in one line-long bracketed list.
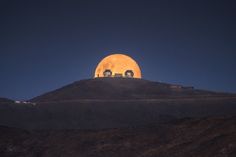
[(195, 137)]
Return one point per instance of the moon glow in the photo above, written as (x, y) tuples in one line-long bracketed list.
[(118, 65)]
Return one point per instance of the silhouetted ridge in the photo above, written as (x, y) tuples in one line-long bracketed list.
[(114, 102), (120, 88), (5, 100)]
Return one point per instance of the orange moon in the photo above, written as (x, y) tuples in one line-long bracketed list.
[(118, 65)]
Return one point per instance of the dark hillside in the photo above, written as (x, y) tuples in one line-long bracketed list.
[(114, 102), (122, 88), (195, 137)]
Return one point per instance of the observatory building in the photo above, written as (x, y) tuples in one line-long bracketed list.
[(118, 65)]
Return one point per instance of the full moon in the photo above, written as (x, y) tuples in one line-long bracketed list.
[(118, 65)]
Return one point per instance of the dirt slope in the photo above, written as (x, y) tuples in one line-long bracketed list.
[(201, 137)]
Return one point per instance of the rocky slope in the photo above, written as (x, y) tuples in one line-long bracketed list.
[(195, 137), (122, 88)]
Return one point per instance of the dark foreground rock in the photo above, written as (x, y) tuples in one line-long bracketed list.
[(188, 137)]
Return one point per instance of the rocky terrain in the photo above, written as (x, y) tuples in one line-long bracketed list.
[(116, 117), (195, 137), (114, 103)]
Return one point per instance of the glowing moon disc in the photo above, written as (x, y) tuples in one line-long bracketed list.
[(118, 65)]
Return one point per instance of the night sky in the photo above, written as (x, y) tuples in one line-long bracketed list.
[(48, 44)]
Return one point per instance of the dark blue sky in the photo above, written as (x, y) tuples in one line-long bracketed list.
[(48, 44)]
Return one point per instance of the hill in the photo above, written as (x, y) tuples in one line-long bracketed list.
[(114, 103), (5, 100), (122, 88)]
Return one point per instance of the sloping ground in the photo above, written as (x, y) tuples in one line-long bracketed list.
[(110, 113), (204, 137), (5, 100), (121, 88), (113, 103)]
